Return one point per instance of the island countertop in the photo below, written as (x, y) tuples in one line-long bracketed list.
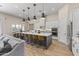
[(40, 34)]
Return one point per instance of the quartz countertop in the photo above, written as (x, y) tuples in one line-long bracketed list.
[(41, 34)]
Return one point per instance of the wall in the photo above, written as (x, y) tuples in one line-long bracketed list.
[(0, 26), (51, 22), (8, 20), (62, 27)]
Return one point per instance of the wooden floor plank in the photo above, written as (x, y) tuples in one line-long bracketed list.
[(56, 49)]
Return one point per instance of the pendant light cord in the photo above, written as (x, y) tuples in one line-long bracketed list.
[(23, 14), (28, 11), (43, 7)]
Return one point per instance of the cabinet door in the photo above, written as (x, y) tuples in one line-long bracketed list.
[(75, 22)]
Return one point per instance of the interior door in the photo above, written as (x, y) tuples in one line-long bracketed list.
[(62, 30), (69, 35)]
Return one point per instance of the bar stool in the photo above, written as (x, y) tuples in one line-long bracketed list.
[(14, 35), (42, 40), (17, 35), (27, 38), (30, 38), (35, 39), (22, 36)]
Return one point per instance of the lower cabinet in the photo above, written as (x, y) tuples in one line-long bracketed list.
[(75, 46)]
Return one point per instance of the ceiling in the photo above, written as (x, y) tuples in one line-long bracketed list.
[(15, 9)]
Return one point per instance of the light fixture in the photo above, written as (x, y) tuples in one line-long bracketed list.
[(28, 18), (34, 17), (43, 14), (23, 15)]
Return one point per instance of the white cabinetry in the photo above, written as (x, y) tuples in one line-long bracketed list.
[(75, 40)]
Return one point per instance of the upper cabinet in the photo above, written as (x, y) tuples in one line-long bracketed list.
[(75, 22), (75, 39)]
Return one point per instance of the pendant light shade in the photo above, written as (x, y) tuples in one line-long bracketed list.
[(34, 17), (43, 14), (23, 20), (28, 19)]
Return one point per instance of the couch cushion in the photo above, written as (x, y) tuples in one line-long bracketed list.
[(1, 44), (5, 39), (7, 47), (13, 42), (2, 37)]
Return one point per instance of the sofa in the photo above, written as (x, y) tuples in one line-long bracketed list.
[(17, 45)]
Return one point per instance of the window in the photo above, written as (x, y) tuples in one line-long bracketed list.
[(17, 28)]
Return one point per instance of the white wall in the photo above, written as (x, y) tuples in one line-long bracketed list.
[(62, 28), (0, 26), (8, 20)]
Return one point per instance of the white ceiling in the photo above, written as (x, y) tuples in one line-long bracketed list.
[(15, 9)]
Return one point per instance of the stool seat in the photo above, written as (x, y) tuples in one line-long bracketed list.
[(42, 40)]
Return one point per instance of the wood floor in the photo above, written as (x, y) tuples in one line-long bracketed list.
[(56, 49)]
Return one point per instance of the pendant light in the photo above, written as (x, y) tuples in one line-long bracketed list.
[(43, 14), (34, 17), (28, 14), (23, 15)]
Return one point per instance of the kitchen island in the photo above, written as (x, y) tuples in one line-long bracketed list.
[(43, 39)]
